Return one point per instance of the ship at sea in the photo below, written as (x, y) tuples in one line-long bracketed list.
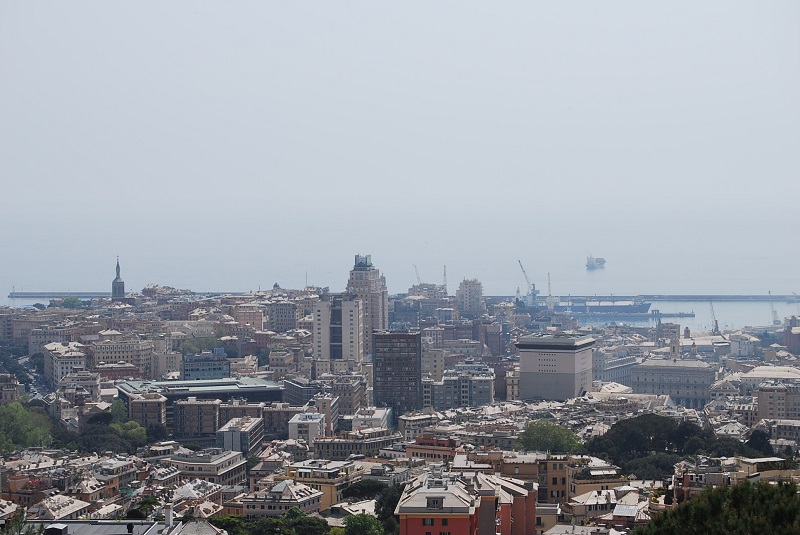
[(582, 306), (595, 263)]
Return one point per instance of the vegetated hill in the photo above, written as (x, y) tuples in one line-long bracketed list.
[(741, 509), (649, 445)]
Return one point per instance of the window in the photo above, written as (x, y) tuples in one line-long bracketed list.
[(427, 521), (444, 521)]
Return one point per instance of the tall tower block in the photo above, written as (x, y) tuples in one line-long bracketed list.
[(367, 284)]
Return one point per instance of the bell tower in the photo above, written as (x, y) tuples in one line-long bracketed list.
[(118, 286)]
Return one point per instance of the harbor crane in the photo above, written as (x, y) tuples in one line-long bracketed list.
[(715, 325), (530, 294), (775, 320)]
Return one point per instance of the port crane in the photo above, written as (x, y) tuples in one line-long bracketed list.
[(530, 295), (775, 320), (715, 325)]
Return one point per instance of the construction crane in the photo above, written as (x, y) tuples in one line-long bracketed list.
[(444, 280), (419, 280), (530, 294), (775, 320)]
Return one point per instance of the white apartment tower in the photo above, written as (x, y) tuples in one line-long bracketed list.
[(469, 297), (339, 333), (368, 285)]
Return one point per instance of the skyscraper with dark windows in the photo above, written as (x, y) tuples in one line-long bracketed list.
[(397, 371)]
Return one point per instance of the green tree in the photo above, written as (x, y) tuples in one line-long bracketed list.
[(759, 441), (305, 524), (73, 302), (365, 489), (156, 433), (37, 361), (232, 524), (544, 435), (739, 509), (21, 427), (362, 524), (385, 504), (17, 525), (119, 411)]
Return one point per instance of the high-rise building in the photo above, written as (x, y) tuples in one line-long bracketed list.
[(469, 298), (118, 285), (397, 371), (339, 333), (368, 285), (555, 367)]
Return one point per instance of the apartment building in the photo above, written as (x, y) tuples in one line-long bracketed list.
[(195, 418), (10, 388), (61, 359), (212, 464), (329, 477), (244, 434), (280, 498), (148, 408)]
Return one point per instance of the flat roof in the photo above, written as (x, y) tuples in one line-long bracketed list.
[(674, 363), (231, 384)]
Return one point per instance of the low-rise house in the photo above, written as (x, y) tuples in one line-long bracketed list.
[(280, 498), (58, 507)]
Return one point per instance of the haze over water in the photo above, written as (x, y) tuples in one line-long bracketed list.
[(227, 147)]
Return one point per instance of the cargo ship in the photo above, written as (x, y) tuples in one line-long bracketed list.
[(595, 263), (577, 306)]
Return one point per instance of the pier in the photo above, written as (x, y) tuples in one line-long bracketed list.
[(57, 295)]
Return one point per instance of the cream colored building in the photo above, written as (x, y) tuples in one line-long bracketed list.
[(368, 285), (554, 367), (117, 347), (687, 381), (330, 477), (61, 359), (339, 334)]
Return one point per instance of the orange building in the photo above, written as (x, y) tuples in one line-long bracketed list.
[(432, 448), (468, 503)]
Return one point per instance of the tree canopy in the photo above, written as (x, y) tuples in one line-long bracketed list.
[(545, 435), (364, 489), (21, 427), (740, 509), (293, 522), (362, 524), (649, 445)]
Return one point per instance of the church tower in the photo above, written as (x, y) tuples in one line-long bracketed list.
[(118, 286)]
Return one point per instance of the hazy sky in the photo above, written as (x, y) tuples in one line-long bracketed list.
[(227, 145)]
